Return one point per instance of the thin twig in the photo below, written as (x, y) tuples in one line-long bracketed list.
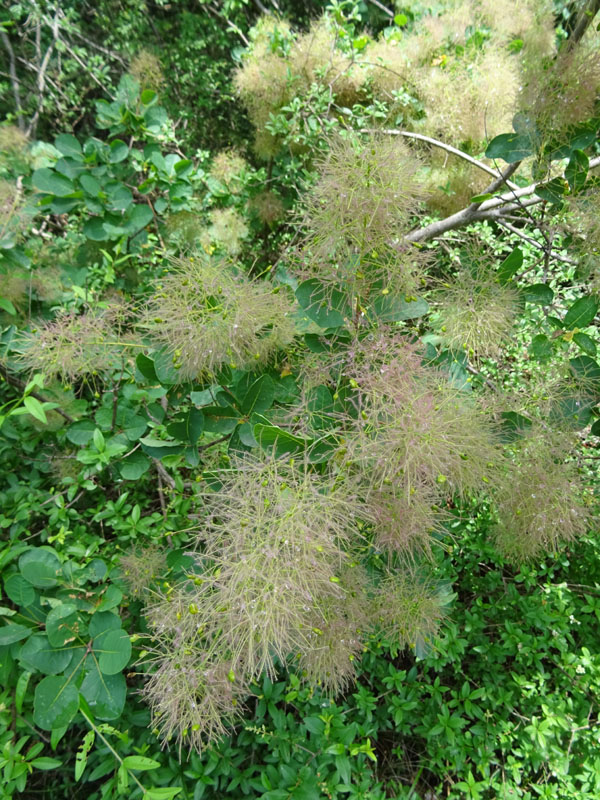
[(41, 73), (19, 384), (553, 254), (14, 81), (382, 8), (493, 209), (443, 146)]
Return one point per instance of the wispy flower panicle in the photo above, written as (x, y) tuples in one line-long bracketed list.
[(207, 315), (357, 214), (408, 608), (73, 346), (415, 429), (192, 697), (141, 567), (477, 312), (541, 499)]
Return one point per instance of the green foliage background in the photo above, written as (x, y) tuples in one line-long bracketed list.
[(135, 155)]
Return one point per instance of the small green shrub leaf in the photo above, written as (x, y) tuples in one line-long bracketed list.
[(581, 313), (55, 703), (113, 650), (40, 567)]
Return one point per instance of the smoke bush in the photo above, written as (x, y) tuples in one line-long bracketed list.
[(72, 346), (477, 312), (358, 212), (541, 500), (207, 315)]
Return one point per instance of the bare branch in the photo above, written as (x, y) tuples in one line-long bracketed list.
[(443, 146), (493, 209), (14, 81), (553, 254), (584, 20), (41, 73), (383, 8)]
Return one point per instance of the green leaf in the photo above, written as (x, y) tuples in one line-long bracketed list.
[(148, 97), (55, 703), (134, 466), (326, 306), (510, 147), (156, 448), (35, 408), (480, 198), (118, 151), (514, 425), (511, 264), (50, 182), (7, 306), (165, 372), (90, 185), (140, 763), (81, 432), (113, 650), (145, 366), (577, 170), (139, 217), (552, 192), (94, 229), (68, 145), (105, 694), (40, 567), (260, 396), (21, 689), (103, 622), (189, 428), (111, 598), (11, 633), (585, 343), (99, 441), (541, 347), (37, 653), (586, 370), (391, 308), (284, 443), (60, 623), (539, 293), (401, 20), (44, 762), (163, 793), (574, 411), (220, 419), (581, 313), (83, 752), (19, 590)]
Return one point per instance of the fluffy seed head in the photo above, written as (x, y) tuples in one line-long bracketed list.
[(228, 168), (207, 316), (408, 609), (541, 500), (71, 346), (191, 697), (359, 210), (561, 94), (141, 567), (228, 229), (147, 71), (268, 207), (272, 553), (414, 429), (477, 313)]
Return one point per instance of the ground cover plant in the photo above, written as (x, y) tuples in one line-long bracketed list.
[(300, 416)]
